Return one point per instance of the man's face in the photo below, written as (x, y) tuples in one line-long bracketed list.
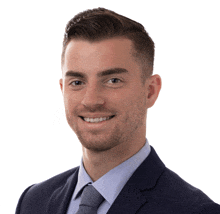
[(104, 96)]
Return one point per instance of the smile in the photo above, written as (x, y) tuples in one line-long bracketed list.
[(96, 120)]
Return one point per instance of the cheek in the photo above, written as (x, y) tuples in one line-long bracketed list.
[(135, 104), (70, 103), (133, 98), (71, 97), (129, 106)]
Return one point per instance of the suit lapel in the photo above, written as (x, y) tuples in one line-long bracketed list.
[(59, 201), (133, 196)]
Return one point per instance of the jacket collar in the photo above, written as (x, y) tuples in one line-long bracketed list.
[(59, 201), (131, 198)]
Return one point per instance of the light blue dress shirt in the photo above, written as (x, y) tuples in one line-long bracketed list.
[(110, 184)]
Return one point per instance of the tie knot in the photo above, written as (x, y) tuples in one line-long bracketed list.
[(91, 197)]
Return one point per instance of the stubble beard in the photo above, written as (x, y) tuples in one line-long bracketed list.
[(97, 142), (100, 142)]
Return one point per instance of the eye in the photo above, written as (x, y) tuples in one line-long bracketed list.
[(114, 80), (76, 82)]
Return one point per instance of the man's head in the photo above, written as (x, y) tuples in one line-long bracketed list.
[(100, 24), (106, 99)]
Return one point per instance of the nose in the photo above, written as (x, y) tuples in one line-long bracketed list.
[(93, 97)]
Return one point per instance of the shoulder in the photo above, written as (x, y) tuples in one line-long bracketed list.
[(208, 208), (37, 195), (178, 191), (49, 185)]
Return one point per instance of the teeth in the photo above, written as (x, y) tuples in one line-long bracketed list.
[(96, 120)]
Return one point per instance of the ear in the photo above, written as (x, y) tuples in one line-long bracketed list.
[(153, 85), (61, 84)]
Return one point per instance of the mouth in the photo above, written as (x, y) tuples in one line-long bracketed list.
[(97, 119)]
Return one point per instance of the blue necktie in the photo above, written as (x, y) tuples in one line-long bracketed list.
[(90, 201)]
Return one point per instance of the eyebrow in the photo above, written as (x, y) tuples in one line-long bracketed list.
[(74, 74), (112, 71), (101, 74)]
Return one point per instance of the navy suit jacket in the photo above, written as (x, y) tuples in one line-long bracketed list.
[(152, 189)]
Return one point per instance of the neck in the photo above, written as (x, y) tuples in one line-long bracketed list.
[(98, 163)]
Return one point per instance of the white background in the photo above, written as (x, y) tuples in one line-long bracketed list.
[(183, 126)]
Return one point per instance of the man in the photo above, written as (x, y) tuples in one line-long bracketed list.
[(107, 85)]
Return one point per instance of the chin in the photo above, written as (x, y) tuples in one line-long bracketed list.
[(98, 144)]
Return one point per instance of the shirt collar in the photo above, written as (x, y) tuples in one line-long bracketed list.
[(83, 180), (111, 184)]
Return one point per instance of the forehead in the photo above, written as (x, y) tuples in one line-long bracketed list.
[(86, 56)]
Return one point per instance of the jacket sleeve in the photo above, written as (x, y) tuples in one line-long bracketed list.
[(18, 208)]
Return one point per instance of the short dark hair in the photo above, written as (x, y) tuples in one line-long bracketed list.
[(99, 24)]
